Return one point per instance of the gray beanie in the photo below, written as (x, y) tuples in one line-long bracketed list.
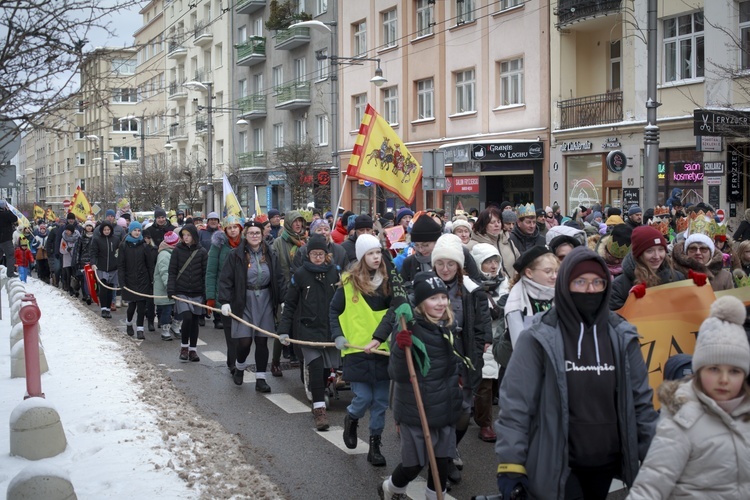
[(509, 217), (721, 337), (635, 209)]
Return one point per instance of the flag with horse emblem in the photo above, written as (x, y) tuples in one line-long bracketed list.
[(380, 156)]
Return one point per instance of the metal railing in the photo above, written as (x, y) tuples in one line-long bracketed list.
[(254, 45), (201, 29), (255, 103), (299, 91), (201, 123), (282, 36), (591, 110), (569, 11), (252, 159)]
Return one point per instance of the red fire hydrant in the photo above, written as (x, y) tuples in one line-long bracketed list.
[(29, 315)]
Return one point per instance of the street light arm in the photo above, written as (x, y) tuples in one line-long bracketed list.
[(314, 24)]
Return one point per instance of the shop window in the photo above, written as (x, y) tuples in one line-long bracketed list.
[(681, 168), (361, 198), (585, 175)]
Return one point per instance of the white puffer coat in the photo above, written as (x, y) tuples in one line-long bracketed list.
[(699, 451)]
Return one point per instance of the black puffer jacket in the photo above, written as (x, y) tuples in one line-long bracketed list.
[(337, 253), (524, 241), (156, 232), (477, 328), (103, 251), (7, 220), (82, 251), (625, 281), (192, 280), (233, 278), (134, 270), (441, 395), (308, 299)]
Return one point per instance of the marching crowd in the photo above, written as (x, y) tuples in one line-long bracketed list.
[(510, 306)]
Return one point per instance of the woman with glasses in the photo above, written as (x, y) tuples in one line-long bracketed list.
[(249, 287), (698, 255), (306, 306), (575, 405), (648, 264)]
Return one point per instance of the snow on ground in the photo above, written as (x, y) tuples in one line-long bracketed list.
[(129, 431)]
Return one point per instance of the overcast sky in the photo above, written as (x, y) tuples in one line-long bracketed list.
[(124, 26)]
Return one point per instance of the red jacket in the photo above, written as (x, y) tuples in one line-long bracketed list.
[(23, 257), (340, 233)]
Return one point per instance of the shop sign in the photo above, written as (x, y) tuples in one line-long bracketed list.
[(713, 167), (630, 197), (713, 181), (276, 178), (616, 161), (576, 146), (462, 185), (688, 172), (734, 172), (507, 151), (611, 143), (721, 122), (708, 143)]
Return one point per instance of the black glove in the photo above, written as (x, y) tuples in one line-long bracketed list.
[(513, 486)]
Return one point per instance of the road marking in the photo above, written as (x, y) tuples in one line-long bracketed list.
[(216, 356), (335, 436), (171, 370), (200, 342), (416, 489), (249, 377), (288, 403), (616, 485)]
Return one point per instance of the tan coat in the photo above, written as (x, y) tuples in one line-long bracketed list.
[(699, 451), (720, 278), (508, 251)]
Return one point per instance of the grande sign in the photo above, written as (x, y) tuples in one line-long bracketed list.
[(507, 151)]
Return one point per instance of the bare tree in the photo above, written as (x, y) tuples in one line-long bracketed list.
[(297, 162), (191, 176)]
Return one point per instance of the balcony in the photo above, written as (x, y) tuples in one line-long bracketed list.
[(572, 11), (176, 51), (591, 110), (294, 96), (253, 107), (251, 52), (178, 133), (253, 160), (291, 38), (202, 34), (202, 75), (177, 91), (249, 6), (201, 124)]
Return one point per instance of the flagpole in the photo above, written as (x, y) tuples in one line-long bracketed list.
[(341, 196)]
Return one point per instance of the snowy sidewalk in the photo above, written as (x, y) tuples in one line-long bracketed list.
[(130, 433)]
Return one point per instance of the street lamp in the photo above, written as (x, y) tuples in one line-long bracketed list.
[(336, 60), (207, 87)]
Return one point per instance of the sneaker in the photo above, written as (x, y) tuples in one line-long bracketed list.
[(350, 431), (105, 314), (458, 461), (386, 494), (183, 353), (193, 356), (276, 370), (321, 419), (262, 386), (139, 335), (129, 330)]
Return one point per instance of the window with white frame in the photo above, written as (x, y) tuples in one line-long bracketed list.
[(464, 11), (123, 66), (300, 6), (300, 73), (425, 99), (390, 28), (321, 64), (220, 152), (242, 142), (300, 131), (258, 26), (424, 18), (507, 4), (124, 125), (745, 34), (278, 135), (683, 47), (322, 129), (321, 7), (218, 55), (511, 82), (390, 104), (465, 85), (360, 38), (258, 83), (242, 88), (124, 95), (242, 34), (615, 65), (360, 105), (126, 153), (258, 140), (278, 78)]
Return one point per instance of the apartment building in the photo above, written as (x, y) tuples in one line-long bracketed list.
[(468, 77), (599, 91)]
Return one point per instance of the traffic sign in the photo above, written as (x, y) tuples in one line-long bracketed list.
[(66, 203)]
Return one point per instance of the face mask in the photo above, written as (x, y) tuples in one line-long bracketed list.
[(588, 305)]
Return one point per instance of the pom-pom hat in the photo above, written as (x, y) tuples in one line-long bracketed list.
[(448, 246), (721, 337), (365, 243), (171, 238)]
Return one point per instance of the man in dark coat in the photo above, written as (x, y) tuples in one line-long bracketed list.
[(362, 225), (205, 235), (525, 233), (160, 227)]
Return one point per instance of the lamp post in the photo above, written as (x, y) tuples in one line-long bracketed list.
[(207, 87), (336, 60), (99, 138)]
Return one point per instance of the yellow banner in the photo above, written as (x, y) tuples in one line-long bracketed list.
[(50, 215), (231, 204), (80, 206), (38, 212), (380, 156)]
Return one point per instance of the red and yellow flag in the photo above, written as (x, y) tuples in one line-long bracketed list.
[(80, 205), (380, 156)]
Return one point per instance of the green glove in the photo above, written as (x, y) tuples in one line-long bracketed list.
[(404, 311)]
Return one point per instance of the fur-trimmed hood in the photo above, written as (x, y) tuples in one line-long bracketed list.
[(683, 263), (686, 404), (614, 264), (218, 239)]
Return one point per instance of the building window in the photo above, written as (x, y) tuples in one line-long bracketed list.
[(390, 32), (745, 34), (278, 135), (683, 47), (322, 125), (300, 72), (124, 95), (321, 64), (123, 66), (258, 27), (361, 199), (258, 83), (124, 126), (242, 34), (242, 88), (464, 11), (424, 18), (507, 4), (360, 38), (465, 91), (125, 153), (300, 131), (425, 99), (278, 78), (615, 65), (321, 7), (242, 140), (511, 81), (258, 140), (390, 105), (360, 105)]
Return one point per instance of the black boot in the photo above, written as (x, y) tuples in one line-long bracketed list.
[(374, 456), (350, 431), (151, 327), (262, 386), (237, 376)]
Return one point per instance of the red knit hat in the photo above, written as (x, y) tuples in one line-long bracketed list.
[(645, 237)]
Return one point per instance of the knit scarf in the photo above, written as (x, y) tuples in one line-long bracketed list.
[(129, 238), (296, 241), (518, 298), (234, 243)]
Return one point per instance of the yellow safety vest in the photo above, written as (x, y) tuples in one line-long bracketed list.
[(359, 321)]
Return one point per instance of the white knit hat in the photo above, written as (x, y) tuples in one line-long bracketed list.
[(461, 223), (448, 246), (484, 251), (365, 243), (700, 238), (722, 339)]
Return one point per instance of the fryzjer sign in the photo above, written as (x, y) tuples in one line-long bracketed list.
[(720, 122), (507, 151), (462, 185)]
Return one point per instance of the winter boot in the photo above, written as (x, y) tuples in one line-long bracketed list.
[(184, 353), (388, 491), (238, 375), (129, 329), (321, 419), (165, 335), (350, 431), (176, 328), (373, 455), (193, 355), (276, 370), (262, 386), (151, 327), (118, 301), (139, 334)]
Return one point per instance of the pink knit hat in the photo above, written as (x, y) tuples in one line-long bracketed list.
[(171, 238)]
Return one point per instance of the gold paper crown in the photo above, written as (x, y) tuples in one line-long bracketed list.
[(740, 281), (682, 224), (660, 211), (721, 232), (660, 224), (616, 250), (699, 223), (528, 210)]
